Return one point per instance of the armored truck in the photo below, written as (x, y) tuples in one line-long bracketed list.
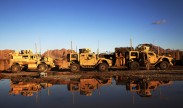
[(27, 60)]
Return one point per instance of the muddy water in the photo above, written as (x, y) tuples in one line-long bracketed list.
[(91, 93)]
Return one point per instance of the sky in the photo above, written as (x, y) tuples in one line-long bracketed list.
[(53, 24)]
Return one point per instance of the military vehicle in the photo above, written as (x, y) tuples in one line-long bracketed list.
[(134, 59), (85, 59), (27, 60), (151, 59), (123, 57)]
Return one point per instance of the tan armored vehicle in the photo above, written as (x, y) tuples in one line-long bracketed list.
[(125, 57), (149, 59), (27, 60), (86, 59)]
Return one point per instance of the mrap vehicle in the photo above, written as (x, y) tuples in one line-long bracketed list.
[(124, 57), (25, 60), (85, 59), (134, 59)]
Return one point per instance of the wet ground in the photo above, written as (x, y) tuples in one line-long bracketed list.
[(152, 89)]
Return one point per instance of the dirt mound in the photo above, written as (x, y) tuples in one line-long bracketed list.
[(4, 59), (57, 54), (4, 54), (4, 65)]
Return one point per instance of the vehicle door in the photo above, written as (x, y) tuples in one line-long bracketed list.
[(87, 59), (152, 57)]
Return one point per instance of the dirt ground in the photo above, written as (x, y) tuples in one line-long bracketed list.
[(175, 73)]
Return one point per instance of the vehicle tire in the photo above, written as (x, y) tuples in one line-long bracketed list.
[(75, 67), (15, 68), (25, 68), (103, 67), (164, 65), (134, 65), (42, 68)]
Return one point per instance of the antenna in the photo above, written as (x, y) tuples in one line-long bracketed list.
[(36, 47), (40, 46), (98, 48), (98, 90), (48, 53), (48, 91), (131, 43), (71, 44), (73, 97), (133, 98), (36, 97), (76, 49)]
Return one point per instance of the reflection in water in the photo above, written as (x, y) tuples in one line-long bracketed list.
[(26, 88), (93, 92), (143, 87), (86, 86)]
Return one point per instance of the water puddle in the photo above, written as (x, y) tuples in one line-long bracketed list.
[(109, 92)]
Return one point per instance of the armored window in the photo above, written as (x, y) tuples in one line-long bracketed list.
[(32, 57), (151, 54), (25, 56), (134, 54), (74, 56)]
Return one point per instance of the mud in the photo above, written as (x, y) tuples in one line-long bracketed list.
[(175, 73), (62, 77)]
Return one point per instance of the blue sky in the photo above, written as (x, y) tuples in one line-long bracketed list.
[(52, 24)]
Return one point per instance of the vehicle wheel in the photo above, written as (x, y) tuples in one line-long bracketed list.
[(15, 68), (103, 67), (42, 68), (75, 67), (134, 65), (25, 68), (164, 65)]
